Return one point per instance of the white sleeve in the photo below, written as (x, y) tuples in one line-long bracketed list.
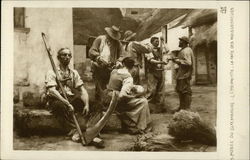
[(77, 79), (50, 79), (127, 84)]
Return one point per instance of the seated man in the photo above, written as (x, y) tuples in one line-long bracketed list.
[(132, 108), (76, 93)]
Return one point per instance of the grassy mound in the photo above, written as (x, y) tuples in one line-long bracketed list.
[(187, 125)]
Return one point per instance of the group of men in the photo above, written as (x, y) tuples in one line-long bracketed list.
[(116, 66)]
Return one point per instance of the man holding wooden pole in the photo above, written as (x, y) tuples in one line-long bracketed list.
[(67, 95)]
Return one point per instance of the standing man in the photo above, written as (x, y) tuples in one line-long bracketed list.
[(135, 50), (105, 52), (154, 71), (78, 99), (185, 62)]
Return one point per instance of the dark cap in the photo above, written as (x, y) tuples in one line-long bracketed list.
[(185, 39)]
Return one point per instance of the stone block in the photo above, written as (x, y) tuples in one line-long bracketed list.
[(42, 122), (113, 124), (31, 99)]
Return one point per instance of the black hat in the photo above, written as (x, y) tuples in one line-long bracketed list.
[(185, 39), (113, 32)]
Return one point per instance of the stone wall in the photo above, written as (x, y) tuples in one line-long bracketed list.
[(81, 63)]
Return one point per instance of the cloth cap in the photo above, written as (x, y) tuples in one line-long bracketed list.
[(128, 35), (185, 39)]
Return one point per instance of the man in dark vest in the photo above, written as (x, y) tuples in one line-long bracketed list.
[(105, 53)]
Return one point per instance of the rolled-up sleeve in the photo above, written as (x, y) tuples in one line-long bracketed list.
[(50, 79), (149, 56), (78, 80), (187, 57), (94, 50), (139, 47)]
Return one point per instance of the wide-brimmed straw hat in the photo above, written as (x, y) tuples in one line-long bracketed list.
[(113, 32), (185, 39), (128, 35)]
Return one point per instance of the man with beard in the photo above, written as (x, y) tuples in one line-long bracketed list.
[(185, 60), (78, 99), (105, 53)]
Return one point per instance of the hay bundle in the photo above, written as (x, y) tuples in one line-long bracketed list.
[(186, 125), (153, 142)]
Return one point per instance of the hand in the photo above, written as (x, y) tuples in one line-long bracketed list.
[(139, 95), (101, 61), (85, 110), (163, 62), (162, 39), (71, 108), (118, 64), (177, 60)]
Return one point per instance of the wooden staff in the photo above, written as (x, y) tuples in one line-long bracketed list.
[(62, 89)]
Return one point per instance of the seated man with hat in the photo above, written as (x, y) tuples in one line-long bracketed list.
[(105, 53)]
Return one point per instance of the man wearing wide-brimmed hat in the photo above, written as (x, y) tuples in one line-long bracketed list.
[(185, 63), (105, 53)]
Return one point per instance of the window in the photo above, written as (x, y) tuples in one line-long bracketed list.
[(19, 15)]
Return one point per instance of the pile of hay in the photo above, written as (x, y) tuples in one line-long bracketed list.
[(153, 142), (187, 125)]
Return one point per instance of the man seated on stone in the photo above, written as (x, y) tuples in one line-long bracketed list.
[(76, 94), (133, 109)]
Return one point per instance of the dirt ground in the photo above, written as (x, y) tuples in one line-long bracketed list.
[(203, 102)]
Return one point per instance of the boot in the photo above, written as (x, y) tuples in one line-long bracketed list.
[(187, 101)]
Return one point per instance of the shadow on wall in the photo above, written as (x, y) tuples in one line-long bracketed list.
[(84, 70)]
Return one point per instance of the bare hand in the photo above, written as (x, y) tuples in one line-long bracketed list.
[(164, 62), (162, 39), (177, 60), (102, 61), (71, 108), (85, 110), (118, 64)]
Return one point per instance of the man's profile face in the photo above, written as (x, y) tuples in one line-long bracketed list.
[(181, 43), (65, 56), (155, 43)]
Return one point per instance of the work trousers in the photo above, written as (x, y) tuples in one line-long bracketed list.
[(154, 86), (184, 91), (61, 111)]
